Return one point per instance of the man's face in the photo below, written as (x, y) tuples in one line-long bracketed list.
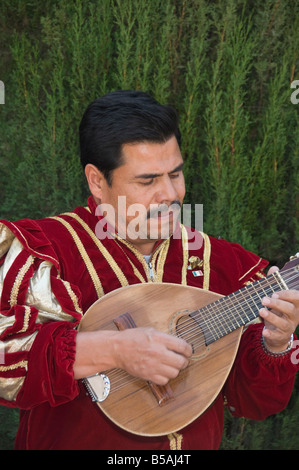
[(143, 190)]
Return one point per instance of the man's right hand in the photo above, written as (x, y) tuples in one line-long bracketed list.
[(151, 355), (143, 352)]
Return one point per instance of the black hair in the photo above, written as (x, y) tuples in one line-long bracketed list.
[(123, 117)]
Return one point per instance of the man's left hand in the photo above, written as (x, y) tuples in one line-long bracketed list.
[(281, 318)]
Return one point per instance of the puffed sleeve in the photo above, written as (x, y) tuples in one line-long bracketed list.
[(259, 384), (38, 315)]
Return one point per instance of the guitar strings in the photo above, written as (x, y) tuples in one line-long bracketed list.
[(223, 314), (223, 309), (120, 377), (214, 330)]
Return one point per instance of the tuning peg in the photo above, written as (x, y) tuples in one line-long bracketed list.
[(294, 257)]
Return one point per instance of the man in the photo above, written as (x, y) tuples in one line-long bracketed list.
[(54, 269)]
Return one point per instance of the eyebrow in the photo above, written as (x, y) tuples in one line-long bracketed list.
[(156, 175)]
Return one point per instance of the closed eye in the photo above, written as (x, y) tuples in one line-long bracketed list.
[(147, 182), (150, 181), (149, 178)]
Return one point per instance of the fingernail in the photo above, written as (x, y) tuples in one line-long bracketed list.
[(264, 312)]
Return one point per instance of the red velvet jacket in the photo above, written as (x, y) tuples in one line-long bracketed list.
[(40, 332)]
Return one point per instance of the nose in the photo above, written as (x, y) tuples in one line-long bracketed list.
[(167, 192)]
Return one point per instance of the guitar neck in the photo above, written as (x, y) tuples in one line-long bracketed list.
[(242, 307)]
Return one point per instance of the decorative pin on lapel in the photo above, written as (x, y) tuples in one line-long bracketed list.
[(195, 262)]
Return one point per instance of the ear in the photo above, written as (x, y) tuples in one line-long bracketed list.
[(95, 180)]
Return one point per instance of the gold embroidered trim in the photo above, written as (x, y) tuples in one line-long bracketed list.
[(251, 269), (260, 274), (138, 256), (185, 254), (206, 259), (72, 296), (175, 441), (117, 271), (161, 253), (161, 250), (92, 272), (43, 256), (136, 271), (18, 281), (26, 320), (14, 366)]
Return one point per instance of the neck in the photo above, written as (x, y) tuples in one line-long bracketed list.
[(238, 309), (145, 247)]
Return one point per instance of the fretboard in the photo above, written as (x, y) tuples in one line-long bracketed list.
[(242, 307)]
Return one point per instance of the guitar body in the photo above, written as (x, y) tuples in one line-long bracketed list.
[(131, 404)]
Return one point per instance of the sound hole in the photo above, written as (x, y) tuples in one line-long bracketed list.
[(189, 330)]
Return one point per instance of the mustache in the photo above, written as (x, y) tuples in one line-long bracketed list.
[(161, 209)]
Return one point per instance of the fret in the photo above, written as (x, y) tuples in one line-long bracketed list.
[(262, 290), (271, 288), (239, 305), (244, 295), (222, 316), (216, 325), (232, 311), (216, 319), (227, 319), (212, 324), (260, 294), (208, 323), (280, 280)]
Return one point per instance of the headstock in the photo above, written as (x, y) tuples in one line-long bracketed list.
[(294, 261)]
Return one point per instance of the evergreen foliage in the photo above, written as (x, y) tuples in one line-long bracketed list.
[(226, 66)]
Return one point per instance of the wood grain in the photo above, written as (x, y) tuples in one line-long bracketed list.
[(164, 306)]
